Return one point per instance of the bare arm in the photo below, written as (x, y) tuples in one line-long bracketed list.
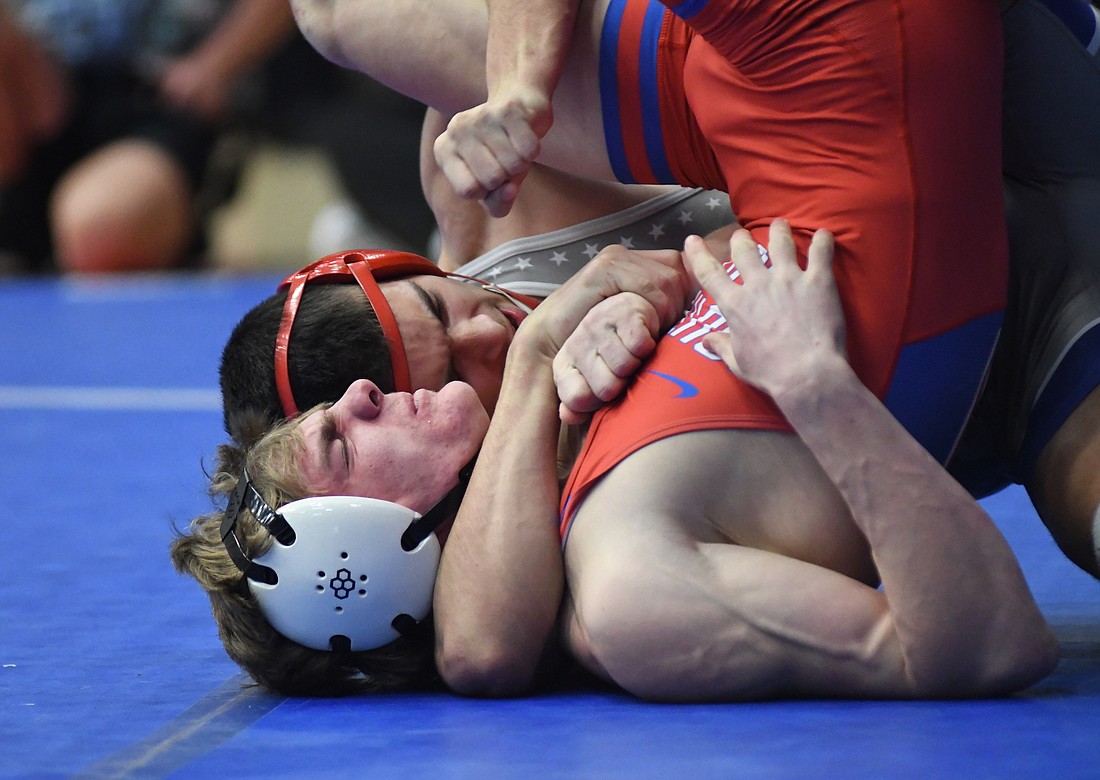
[(954, 601), (488, 149), (529, 41), (500, 580), (434, 51)]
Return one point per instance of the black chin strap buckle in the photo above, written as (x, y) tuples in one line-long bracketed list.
[(245, 495)]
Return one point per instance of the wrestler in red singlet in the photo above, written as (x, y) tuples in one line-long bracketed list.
[(876, 119)]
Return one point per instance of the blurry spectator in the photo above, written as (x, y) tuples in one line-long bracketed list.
[(109, 112), (370, 134)]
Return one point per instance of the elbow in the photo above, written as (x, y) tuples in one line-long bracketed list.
[(1035, 658), (1010, 664), (1022, 660), (485, 668)]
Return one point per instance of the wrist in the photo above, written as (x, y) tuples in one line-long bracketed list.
[(529, 360), (812, 383)]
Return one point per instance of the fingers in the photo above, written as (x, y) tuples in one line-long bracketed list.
[(658, 276), (587, 382), (781, 248), (820, 255), (500, 201), (472, 169), (707, 271), (598, 360), (722, 345), (572, 417), (486, 151)]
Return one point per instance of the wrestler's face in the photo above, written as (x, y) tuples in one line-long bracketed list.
[(397, 447), (453, 331)]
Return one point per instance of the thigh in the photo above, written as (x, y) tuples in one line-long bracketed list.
[(1052, 119), (430, 50), (1046, 359)]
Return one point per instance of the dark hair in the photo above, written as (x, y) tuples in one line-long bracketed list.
[(249, 639), (336, 339)]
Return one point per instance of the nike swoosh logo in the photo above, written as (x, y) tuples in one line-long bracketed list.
[(687, 390)]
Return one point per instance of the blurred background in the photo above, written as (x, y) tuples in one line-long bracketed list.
[(143, 135)]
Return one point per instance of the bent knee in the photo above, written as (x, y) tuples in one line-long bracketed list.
[(127, 207)]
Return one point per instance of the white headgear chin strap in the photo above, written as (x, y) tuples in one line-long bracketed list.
[(490, 287), (343, 572)]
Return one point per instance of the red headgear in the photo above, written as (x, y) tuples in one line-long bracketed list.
[(367, 267)]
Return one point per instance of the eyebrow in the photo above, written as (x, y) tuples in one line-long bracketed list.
[(316, 444), (328, 427)]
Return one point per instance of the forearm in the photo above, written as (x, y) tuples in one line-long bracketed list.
[(500, 579), (958, 600), (528, 42), (501, 576)]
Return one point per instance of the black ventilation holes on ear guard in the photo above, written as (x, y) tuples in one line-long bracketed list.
[(245, 495), (405, 625)]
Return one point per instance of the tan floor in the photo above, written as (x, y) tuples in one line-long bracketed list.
[(267, 225)]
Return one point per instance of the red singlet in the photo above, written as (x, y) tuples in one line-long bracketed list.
[(876, 119)]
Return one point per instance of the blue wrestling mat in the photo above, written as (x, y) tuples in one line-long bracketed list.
[(110, 666)]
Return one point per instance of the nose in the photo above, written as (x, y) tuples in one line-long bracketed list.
[(362, 399), (480, 337)]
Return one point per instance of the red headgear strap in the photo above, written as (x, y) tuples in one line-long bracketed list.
[(367, 267)]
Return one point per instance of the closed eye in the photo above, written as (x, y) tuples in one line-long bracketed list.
[(434, 304), (437, 307), (329, 434)]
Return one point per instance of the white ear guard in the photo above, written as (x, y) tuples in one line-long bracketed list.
[(346, 573), (343, 572)]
